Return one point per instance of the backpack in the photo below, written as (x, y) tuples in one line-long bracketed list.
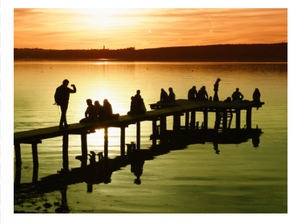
[(58, 95)]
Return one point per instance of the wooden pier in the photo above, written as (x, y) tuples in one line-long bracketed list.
[(224, 112)]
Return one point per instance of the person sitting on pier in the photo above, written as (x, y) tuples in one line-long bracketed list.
[(137, 104), (101, 111), (237, 96), (202, 94), (108, 110), (90, 113), (256, 95), (192, 94), (164, 98), (171, 95)]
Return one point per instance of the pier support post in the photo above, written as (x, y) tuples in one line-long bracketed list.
[(176, 122), (238, 119), (35, 162), (193, 120), (187, 119), (18, 155), (224, 120), (205, 118), (65, 152), (217, 122), (84, 150), (154, 133), (248, 117), (138, 135), (163, 130), (122, 141), (106, 142)]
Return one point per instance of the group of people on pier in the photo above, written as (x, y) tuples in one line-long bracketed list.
[(236, 96), (97, 112), (167, 98)]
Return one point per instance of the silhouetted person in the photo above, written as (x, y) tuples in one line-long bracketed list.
[(216, 89), (164, 96), (137, 104), (256, 95), (108, 110), (61, 97), (202, 94), (237, 96), (100, 109), (192, 94), (171, 95), (91, 112)]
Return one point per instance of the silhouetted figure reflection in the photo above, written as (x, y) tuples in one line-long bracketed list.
[(216, 89), (137, 105), (137, 164), (216, 147), (62, 95), (100, 109), (192, 94), (91, 112), (164, 96), (171, 95), (64, 208), (256, 95), (237, 96), (202, 94), (255, 141)]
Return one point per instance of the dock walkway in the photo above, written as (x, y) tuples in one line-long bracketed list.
[(160, 112)]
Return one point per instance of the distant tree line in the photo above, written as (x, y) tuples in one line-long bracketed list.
[(222, 53)]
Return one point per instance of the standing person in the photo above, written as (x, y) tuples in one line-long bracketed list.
[(192, 94), (237, 96), (171, 95), (216, 89), (61, 97), (256, 95)]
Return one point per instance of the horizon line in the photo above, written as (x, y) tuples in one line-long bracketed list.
[(37, 48)]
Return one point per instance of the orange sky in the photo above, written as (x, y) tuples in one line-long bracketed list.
[(51, 28)]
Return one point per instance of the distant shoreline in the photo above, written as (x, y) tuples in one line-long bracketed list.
[(211, 53)]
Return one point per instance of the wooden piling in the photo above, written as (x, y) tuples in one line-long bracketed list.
[(248, 117), (193, 120), (205, 118), (224, 119), (122, 141), (138, 135), (106, 142), (187, 119), (18, 155), (65, 152), (84, 149), (238, 119), (176, 122), (154, 132)]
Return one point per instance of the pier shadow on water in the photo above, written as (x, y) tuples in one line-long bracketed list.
[(100, 169)]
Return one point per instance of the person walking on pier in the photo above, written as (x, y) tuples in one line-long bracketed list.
[(62, 95), (192, 94), (237, 96), (216, 89), (171, 95)]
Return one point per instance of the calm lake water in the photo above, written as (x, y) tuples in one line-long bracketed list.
[(240, 179)]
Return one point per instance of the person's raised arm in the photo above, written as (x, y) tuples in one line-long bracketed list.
[(74, 88)]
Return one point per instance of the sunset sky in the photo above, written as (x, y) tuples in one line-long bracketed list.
[(115, 28)]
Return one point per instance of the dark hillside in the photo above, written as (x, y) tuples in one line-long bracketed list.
[(222, 53)]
